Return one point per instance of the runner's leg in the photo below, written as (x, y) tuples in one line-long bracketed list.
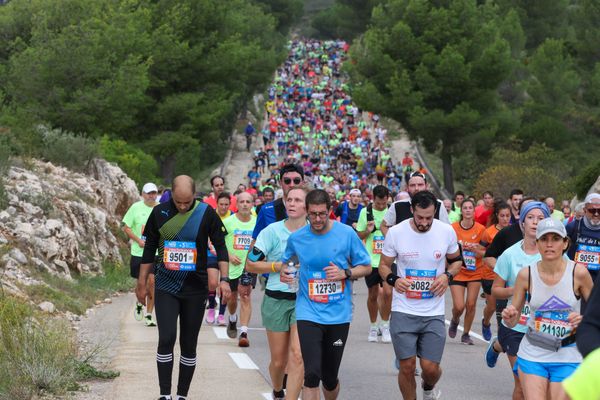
[(471, 306), (311, 336), (150, 296), (406, 378), (534, 387), (279, 348), (167, 308), (334, 343), (458, 301), (385, 302), (518, 390), (295, 367), (192, 313), (372, 303)]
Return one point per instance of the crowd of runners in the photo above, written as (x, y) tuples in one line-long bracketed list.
[(325, 204)]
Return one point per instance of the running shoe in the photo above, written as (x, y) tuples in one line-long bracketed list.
[(466, 339), (221, 320), (491, 356), (452, 328), (279, 395), (138, 313), (372, 334), (232, 329), (244, 342), (385, 334), (210, 316), (433, 394), (486, 330), (149, 321)]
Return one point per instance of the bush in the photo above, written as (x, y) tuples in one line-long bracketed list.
[(138, 165), (67, 149), (585, 180)]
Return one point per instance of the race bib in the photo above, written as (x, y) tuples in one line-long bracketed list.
[(180, 256), (554, 323), (324, 290), (525, 312), (242, 240), (588, 255), (420, 283), (470, 261), (378, 244)]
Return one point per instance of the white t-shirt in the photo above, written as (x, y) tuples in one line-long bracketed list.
[(421, 257)]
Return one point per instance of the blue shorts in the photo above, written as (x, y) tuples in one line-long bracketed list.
[(554, 372)]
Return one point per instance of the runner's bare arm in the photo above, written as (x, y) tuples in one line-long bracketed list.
[(129, 232), (365, 234), (583, 281), (384, 228), (512, 313), (499, 289), (335, 273), (140, 289), (490, 262)]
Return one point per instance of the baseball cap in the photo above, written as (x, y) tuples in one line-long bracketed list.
[(592, 198), (149, 187), (355, 191), (550, 225)]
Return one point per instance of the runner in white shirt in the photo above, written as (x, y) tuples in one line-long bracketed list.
[(420, 247)]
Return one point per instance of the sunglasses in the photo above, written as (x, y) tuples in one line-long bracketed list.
[(593, 211), (287, 181)]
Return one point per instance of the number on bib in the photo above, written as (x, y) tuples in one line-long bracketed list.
[(180, 256), (470, 261), (525, 312), (378, 244), (420, 283), (242, 240), (588, 255), (554, 323), (325, 291)]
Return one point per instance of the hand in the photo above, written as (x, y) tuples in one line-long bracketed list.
[(141, 291), (574, 319), (510, 315), (370, 226), (244, 291), (284, 277), (402, 285), (225, 290), (141, 242), (354, 225), (334, 273), (235, 260), (439, 285)]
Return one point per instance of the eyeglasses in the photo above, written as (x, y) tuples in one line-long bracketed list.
[(593, 211), (319, 215), (287, 181)]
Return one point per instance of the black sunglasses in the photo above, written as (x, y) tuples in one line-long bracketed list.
[(287, 181), (593, 211)]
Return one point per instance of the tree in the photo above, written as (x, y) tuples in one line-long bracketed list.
[(436, 68)]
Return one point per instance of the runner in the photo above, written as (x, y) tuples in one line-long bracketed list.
[(454, 215), (218, 186), (349, 210), (519, 255), (238, 240), (134, 222), (483, 212), (324, 298), (556, 214), (279, 303), (515, 198), (179, 230), (547, 354), (420, 247), (380, 296), (469, 234)]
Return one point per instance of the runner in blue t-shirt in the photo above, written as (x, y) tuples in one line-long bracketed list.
[(328, 255)]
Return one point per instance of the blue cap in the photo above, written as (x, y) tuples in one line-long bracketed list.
[(534, 205)]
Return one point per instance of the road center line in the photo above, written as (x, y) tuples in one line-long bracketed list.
[(243, 361), (475, 335), (220, 332)]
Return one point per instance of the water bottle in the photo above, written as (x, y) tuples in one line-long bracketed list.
[(293, 271)]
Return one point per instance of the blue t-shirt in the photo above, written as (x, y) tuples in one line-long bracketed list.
[(265, 217), (585, 246), (272, 242), (319, 300)]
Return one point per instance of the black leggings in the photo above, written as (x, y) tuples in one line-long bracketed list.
[(322, 350), (190, 311)]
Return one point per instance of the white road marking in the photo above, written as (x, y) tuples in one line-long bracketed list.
[(220, 332), (267, 396), (243, 361), (475, 335)]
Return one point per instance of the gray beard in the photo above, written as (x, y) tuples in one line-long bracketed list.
[(590, 225)]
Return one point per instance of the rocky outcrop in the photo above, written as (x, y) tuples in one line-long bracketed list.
[(61, 222)]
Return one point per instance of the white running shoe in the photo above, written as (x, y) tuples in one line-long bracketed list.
[(385, 334), (433, 394), (372, 334)]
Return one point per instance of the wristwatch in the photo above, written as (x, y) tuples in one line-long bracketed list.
[(449, 275), (224, 279), (348, 273)]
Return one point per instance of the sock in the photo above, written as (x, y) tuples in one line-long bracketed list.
[(164, 364), (222, 306), (187, 365), (374, 325), (280, 393), (284, 381), (244, 329), (384, 323), (427, 387), (211, 299), (233, 318)]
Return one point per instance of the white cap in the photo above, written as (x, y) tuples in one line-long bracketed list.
[(592, 198), (550, 225), (355, 191), (149, 187)]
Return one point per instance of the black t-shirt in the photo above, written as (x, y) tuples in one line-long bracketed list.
[(503, 240), (353, 214), (588, 333), (188, 282)]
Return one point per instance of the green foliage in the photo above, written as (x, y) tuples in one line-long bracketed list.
[(585, 180), (4, 165), (285, 11), (137, 164), (346, 19), (67, 149)]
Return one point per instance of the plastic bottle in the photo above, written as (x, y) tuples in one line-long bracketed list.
[(293, 271)]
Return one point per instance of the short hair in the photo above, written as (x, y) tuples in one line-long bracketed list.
[(317, 196), (487, 192), (212, 180), (515, 192), (459, 193), (224, 195), (291, 168), (268, 189), (381, 192), (423, 199)]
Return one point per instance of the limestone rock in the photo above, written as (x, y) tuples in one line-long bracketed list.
[(18, 256), (47, 306)]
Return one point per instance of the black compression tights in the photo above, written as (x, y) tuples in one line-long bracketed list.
[(190, 311)]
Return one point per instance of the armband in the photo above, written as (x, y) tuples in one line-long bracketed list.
[(256, 254), (455, 259), (391, 279)]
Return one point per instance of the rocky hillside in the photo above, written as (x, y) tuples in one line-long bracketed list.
[(61, 222)]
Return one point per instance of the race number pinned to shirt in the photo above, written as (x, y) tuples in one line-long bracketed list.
[(242, 239), (421, 281), (470, 261), (588, 255), (378, 244), (180, 256), (525, 313), (554, 323), (323, 290)]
